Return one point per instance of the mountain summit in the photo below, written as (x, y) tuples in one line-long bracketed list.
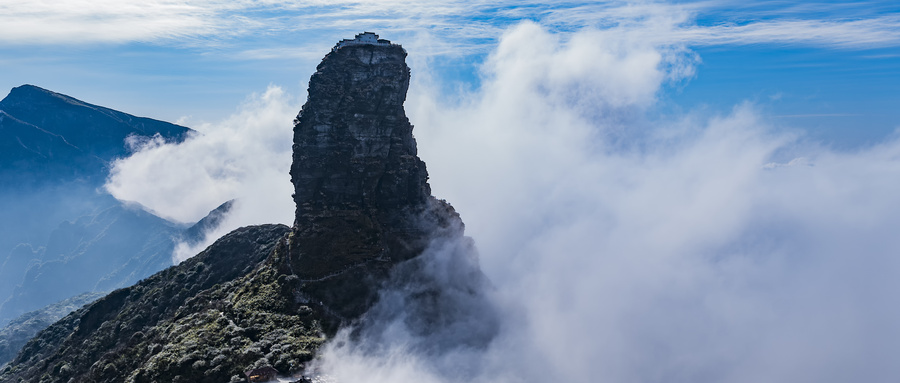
[(367, 235), (95, 129), (363, 200), (55, 135), (353, 144)]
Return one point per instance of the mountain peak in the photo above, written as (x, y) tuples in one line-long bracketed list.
[(362, 196), (353, 144), (32, 91), (29, 96), (44, 124)]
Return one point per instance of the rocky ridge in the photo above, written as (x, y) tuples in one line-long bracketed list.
[(205, 320), (17, 333)]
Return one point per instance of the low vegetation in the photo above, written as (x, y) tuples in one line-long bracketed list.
[(209, 319)]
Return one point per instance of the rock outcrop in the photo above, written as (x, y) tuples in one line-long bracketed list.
[(363, 200)]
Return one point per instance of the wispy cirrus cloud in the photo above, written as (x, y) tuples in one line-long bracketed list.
[(705, 249), (468, 25), (66, 22), (848, 34)]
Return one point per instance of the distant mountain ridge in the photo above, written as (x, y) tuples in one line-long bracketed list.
[(60, 136), (104, 129), (28, 145), (61, 234)]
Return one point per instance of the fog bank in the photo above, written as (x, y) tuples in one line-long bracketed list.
[(623, 248), (701, 248)]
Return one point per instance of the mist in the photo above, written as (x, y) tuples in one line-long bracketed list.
[(705, 246), (29, 216), (245, 157)]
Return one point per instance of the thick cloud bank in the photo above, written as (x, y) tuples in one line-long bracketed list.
[(245, 157), (703, 249), (620, 248)]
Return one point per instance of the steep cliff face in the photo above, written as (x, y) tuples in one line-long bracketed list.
[(353, 144), (363, 200)]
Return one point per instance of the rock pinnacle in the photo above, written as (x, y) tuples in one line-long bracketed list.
[(362, 196)]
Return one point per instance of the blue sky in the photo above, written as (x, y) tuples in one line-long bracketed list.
[(830, 68)]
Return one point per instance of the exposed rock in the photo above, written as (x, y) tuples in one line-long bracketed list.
[(353, 144), (363, 200)]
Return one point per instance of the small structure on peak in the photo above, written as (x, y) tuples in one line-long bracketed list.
[(365, 38)]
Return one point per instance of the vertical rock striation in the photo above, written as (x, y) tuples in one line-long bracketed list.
[(363, 200), (353, 144)]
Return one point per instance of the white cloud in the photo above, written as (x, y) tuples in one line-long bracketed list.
[(799, 161), (673, 254), (466, 26), (852, 34), (106, 21), (622, 249), (246, 157)]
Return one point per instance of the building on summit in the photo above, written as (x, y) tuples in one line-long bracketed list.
[(365, 38)]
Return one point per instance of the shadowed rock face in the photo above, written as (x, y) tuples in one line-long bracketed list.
[(363, 200), (353, 145)]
